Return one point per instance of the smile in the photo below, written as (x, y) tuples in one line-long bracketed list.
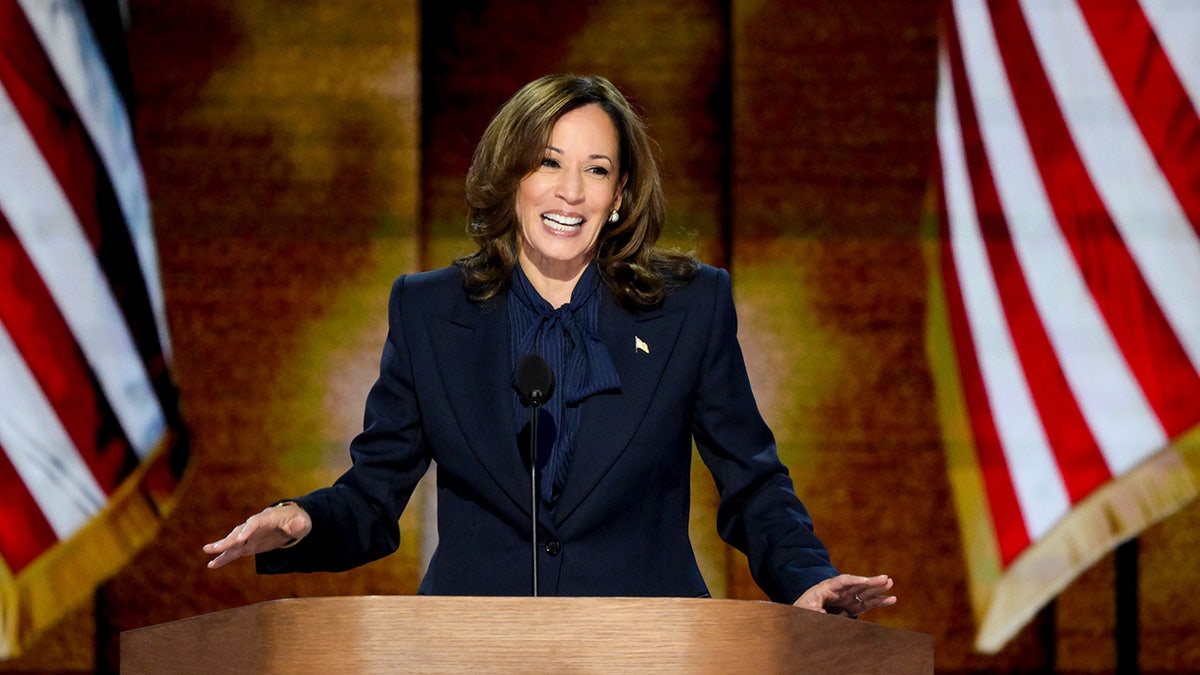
[(560, 223)]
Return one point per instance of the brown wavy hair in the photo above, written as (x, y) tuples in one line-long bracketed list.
[(513, 145)]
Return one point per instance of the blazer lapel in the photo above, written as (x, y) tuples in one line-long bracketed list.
[(640, 346), (471, 345)]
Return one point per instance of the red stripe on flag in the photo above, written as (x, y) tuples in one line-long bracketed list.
[(44, 106), (1134, 318), (49, 350), (1080, 463), (1005, 511), (26, 533), (1154, 93), (1008, 522)]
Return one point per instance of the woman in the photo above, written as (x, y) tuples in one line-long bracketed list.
[(566, 207)]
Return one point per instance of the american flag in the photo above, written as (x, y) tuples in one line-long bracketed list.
[(91, 448), (1066, 330)]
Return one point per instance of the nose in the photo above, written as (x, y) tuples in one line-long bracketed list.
[(570, 187)]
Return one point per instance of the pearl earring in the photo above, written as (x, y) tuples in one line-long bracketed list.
[(614, 216)]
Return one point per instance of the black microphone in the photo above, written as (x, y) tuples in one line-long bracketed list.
[(535, 384), (535, 380)]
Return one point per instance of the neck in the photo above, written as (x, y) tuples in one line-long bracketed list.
[(554, 283)]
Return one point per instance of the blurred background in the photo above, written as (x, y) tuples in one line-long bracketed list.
[(300, 155)]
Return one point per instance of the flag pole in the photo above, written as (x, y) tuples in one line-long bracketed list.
[(1126, 591), (1048, 635), (107, 638)]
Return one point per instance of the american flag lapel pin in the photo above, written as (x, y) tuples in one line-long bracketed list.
[(640, 345)]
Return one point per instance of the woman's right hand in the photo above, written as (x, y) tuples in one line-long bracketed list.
[(274, 527)]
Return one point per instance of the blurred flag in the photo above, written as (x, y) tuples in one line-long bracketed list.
[(91, 445), (1065, 328)]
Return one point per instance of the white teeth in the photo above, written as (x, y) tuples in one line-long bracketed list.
[(561, 223)]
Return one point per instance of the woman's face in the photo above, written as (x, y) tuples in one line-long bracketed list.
[(563, 204)]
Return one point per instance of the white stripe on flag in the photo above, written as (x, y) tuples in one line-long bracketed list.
[(1109, 396), (40, 449), (1144, 207), (67, 38), (1031, 465), (52, 236), (1177, 25)]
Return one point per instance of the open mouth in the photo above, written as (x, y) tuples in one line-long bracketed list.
[(561, 223)]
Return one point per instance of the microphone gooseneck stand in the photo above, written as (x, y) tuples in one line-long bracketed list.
[(533, 491), (535, 384)]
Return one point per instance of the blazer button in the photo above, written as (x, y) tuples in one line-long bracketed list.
[(553, 547)]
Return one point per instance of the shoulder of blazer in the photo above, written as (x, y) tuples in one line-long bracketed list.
[(438, 294), (434, 284), (709, 283)]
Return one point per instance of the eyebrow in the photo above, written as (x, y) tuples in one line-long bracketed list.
[(559, 151)]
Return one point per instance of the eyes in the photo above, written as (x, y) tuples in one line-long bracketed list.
[(594, 169)]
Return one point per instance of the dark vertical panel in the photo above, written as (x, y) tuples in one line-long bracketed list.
[(721, 105)]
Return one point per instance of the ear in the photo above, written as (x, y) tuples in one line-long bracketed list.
[(620, 194)]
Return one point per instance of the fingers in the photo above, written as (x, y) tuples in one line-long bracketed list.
[(867, 593), (228, 549), (865, 601), (848, 595), (228, 540), (223, 560), (272, 528), (861, 583)]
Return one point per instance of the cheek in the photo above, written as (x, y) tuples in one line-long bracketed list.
[(605, 193), (523, 200), (526, 206)]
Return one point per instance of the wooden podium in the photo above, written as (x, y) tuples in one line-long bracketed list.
[(425, 634)]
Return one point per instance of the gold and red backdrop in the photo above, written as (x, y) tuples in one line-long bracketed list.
[(300, 155)]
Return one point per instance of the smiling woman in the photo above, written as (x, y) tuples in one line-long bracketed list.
[(518, 145), (564, 203), (566, 207)]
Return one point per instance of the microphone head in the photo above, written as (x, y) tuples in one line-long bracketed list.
[(535, 380)]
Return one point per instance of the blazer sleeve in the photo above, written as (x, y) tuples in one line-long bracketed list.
[(356, 520), (759, 512)]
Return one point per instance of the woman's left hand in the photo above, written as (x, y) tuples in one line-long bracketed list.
[(848, 595)]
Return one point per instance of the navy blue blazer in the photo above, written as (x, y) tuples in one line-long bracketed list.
[(620, 526)]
